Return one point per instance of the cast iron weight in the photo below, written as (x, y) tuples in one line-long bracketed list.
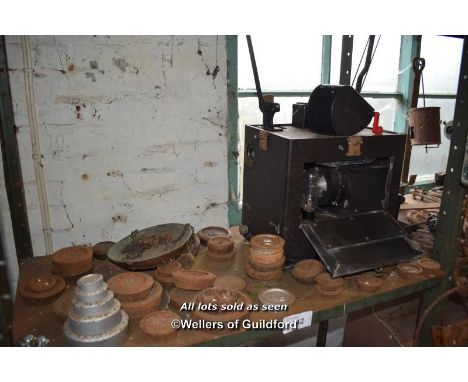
[(266, 104)]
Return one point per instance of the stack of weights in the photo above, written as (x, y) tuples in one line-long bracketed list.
[(220, 249), (266, 257), (72, 262), (95, 317), (138, 293)]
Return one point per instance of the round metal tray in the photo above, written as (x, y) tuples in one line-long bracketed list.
[(151, 246)]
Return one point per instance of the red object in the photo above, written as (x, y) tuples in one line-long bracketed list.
[(376, 129)]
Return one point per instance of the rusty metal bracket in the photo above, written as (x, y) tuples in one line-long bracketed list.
[(263, 140), (354, 146)]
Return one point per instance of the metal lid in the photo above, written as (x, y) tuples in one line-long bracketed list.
[(276, 296)]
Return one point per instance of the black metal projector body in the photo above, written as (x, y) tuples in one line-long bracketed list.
[(354, 227)]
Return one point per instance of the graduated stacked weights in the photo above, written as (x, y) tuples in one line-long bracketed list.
[(95, 317), (266, 257)]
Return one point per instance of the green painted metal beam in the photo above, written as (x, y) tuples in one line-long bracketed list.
[(410, 47), (234, 213), (346, 63), (440, 95), (451, 216), (326, 59)]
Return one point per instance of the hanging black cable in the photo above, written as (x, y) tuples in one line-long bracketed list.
[(360, 61), (372, 59), (367, 63)]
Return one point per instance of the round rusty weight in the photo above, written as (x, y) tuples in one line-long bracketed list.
[(424, 125)]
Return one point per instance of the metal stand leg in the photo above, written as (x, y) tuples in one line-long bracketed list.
[(322, 334)]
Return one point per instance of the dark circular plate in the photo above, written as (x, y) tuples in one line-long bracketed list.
[(151, 246)]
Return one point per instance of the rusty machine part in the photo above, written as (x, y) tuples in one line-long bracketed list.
[(100, 249), (424, 125), (223, 315), (276, 296), (193, 280), (150, 247), (152, 302), (208, 233), (220, 249), (72, 262), (95, 317), (368, 283), (305, 271), (186, 260), (62, 304), (231, 282), (159, 324), (41, 288), (130, 286), (409, 270), (178, 297)]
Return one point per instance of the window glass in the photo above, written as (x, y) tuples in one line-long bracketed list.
[(284, 62), (443, 59), (383, 73)]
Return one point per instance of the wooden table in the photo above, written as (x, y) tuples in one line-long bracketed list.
[(40, 319)]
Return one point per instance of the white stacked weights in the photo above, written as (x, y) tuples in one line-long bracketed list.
[(95, 317)]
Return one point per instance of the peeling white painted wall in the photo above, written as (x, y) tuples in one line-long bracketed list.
[(133, 133)]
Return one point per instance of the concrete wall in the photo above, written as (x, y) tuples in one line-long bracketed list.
[(133, 133)]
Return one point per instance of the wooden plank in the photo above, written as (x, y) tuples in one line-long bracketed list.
[(420, 206)]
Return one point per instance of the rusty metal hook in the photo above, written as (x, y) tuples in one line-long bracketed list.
[(418, 64)]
